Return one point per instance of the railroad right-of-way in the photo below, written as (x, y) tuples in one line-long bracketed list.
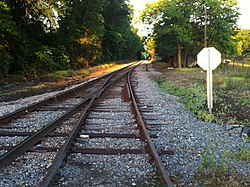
[(111, 149)]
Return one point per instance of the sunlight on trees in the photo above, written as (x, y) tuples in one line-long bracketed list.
[(48, 35), (179, 27)]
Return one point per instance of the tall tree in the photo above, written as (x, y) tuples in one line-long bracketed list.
[(46, 35), (8, 33), (242, 41), (82, 31), (179, 25), (119, 41), (34, 21)]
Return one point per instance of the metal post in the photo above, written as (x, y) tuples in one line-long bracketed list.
[(209, 85)]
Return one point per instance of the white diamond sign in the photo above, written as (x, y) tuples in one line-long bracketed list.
[(209, 58)]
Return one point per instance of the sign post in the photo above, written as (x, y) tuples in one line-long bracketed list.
[(208, 59)]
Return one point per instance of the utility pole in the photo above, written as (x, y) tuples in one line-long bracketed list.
[(205, 25), (209, 70)]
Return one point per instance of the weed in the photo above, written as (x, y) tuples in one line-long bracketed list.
[(83, 72), (61, 74), (193, 96), (230, 96), (213, 169), (188, 69), (208, 117), (210, 162), (242, 154), (234, 83), (245, 100)]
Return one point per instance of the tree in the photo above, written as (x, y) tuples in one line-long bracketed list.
[(242, 41), (179, 25), (82, 31), (47, 35), (34, 22), (8, 33), (119, 41)]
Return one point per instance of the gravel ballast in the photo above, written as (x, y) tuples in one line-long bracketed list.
[(189, 137), (175, 128)]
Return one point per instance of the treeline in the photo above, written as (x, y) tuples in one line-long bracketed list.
[(179, 27), (47, 35)]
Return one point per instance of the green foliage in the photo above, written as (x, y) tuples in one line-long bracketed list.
[(208, 117), (83, 72), (242, 41), (8, 33), (242, 154), (233, 83), (67, 73), (61, 74), (187, 69), (181, 23), (5, 60), (49, 59), (210, 163), (245, 100), (119, 42), (193, 96), (45, 36)]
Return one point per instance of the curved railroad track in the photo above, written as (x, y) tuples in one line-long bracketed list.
[(104, 122)]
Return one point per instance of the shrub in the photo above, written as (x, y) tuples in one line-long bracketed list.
[(234, 83), (61, 74), (5, 61)]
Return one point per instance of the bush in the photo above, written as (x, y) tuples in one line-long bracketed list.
[(208, 117), (234, 83), (61, 74), (49, 59), (5, 61)]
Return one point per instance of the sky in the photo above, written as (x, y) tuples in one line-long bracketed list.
[(244, 5), (244, 21)]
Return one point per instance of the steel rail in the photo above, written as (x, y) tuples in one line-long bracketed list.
[(43, 102), (65, 148), (25, 145), (151, 146), (65, 93), (12, 154)]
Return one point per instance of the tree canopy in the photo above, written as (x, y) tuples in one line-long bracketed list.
[(179, 24), (242, 41), (47, 35)]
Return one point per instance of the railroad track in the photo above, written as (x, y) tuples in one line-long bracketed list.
[(107, 121)]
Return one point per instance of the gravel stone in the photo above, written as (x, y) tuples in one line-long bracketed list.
[(26, 172), (32, 122), (108, 170), (188, 136), (174, 127)]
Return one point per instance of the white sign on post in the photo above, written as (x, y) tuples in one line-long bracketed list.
[(208, 59)]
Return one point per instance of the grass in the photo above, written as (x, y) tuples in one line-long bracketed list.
[(231, 92), (230, 83), (242, 154), (231, 97), (236, 67), (51, 80), (66, 73), (187, 69), (245, 100), (193, 96), (83, 72), (210, 165), (215, 171), (61, 74)]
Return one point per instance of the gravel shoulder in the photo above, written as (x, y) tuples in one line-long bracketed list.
[(192, 140)]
